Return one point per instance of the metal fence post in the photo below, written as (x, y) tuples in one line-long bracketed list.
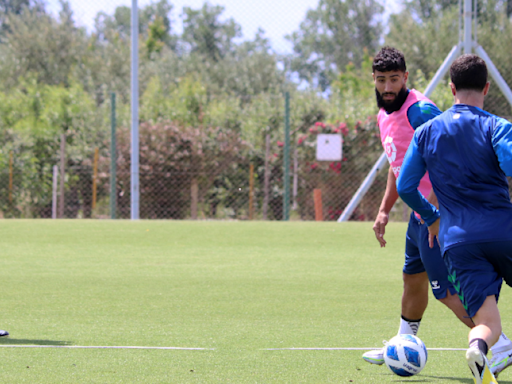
[(62, 174), (113, 157), (10, 175), (286, 155), (251, 191), (54, 191), (95, 177), (266, 186)]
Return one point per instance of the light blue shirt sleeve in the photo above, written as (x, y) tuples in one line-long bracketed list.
[(502, 144), (413, 169), (421, 112)]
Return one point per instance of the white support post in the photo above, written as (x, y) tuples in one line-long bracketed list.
[(135, 114), (502, 84), (356, 199), (443, 69)]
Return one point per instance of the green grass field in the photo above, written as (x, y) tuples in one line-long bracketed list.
[(236, 289)]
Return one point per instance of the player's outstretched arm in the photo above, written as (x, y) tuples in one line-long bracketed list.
[(389, 199)]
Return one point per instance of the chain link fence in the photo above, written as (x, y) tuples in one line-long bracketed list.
[(213, 80)]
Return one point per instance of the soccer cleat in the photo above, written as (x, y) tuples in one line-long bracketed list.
[(375, 356), (479, 367), (500, 361), (3, 333)]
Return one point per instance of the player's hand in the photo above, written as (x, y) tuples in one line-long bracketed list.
[(379, 227), (433, 232)]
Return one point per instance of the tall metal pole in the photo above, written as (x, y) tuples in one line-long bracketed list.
[(286, 154), (113, 158), (468, 20), (135, 114)]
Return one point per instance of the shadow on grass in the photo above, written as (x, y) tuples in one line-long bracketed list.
[(10, 341), (435, 379), (464, 380)]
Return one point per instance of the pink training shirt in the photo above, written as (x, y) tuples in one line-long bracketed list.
[(396, 133)]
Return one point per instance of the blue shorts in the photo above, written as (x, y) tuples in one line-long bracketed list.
[(477, 271), (419, 257)]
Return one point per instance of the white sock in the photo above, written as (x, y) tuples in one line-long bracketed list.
[(503, 344), (408, 327)]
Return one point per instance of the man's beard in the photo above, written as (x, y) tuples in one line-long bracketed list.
[(394, 105)]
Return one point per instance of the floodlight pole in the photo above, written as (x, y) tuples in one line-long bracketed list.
[(468, 44), (468, 20), (134, 167)]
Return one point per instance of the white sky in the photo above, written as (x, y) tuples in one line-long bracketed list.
[(276, 17)]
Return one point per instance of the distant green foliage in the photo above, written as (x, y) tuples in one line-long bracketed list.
[(426, 31), (442, 94), (57, 77), (206, 34), (353, 93), (333, 35), (172, 157), (32, 119)]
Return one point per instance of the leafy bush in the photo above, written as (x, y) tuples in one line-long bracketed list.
[(172, 158)]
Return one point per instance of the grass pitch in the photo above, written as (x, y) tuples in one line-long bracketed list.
[(236, 289)]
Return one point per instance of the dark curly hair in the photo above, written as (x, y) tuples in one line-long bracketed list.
[(469, 72), (389, 59)]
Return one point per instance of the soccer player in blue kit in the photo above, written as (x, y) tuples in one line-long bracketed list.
[(401, 112), (468, 153)]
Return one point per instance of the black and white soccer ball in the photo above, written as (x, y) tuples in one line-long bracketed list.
[(405, 355)]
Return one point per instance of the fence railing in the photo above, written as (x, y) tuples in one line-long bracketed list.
[(213, 111)]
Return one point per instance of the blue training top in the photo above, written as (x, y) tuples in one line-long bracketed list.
[(467, 152)]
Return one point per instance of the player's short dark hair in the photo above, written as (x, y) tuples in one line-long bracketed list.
[(389, 59), (469, 72)]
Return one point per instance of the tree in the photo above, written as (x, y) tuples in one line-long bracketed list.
[(173, 156), (16, 7), (331, 36), (35, 43), (121, 22), (32, 118), (206, 34), (423, 10), (156, 36)]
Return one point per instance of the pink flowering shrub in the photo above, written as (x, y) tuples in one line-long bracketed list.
[(172, 156), (339, 180)]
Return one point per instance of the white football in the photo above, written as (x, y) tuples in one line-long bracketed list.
[(405, 355)]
